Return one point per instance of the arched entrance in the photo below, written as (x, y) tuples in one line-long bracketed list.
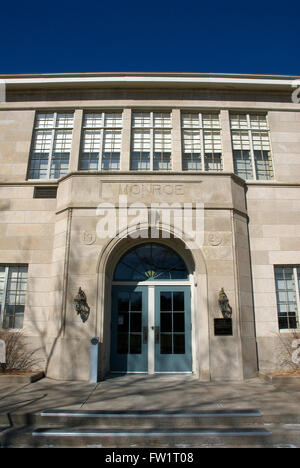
[(151, 312)]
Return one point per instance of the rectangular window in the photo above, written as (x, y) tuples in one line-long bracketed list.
[(251, 146), (151, 141), (101, 142), (13, 285), (51, 145), (201, 137), (287, 280)]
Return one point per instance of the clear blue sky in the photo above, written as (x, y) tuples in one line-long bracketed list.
[(159, 36)]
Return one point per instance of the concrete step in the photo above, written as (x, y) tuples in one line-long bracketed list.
[(149, 419), (279, 437), (69, 428), (87, 437), (154, 418)]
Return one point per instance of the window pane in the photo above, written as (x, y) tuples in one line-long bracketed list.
[(136, 301), (141, 119), (135, 344), (51, 147), (241, 155), (191, 141), (258, 122), (151, 261), (162, 150), (62, 141), (162, 141), (165, 343), (111, 161), (192, 162), (42, 141), (89, 157), (93, 120), (112, 141), (91, 141), (210, 121), (166, 301), (190, 120), (213, 150), (262, 155), (166, 322), (151, 148), (123, 301), (243, 164), (15, 296), (140, 161), (113, 120), (238, 121), (44, 120), (89, 162), (59, 165), (178, 322), (122, 346), (240, 141), (141, 140), (286, 297), (179, 344), (162, 161), (162, 120), (259, 151), (65, 120), (178, 301), (135, 322)]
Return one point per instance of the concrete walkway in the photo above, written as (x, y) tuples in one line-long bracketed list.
[(144, 392), (21, 406)]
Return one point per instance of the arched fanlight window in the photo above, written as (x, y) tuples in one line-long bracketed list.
[(151, 261)]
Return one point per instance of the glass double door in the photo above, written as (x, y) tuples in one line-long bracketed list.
[(151, 329)]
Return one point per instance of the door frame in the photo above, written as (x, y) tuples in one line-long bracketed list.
[(185, 361), (135, 361), (151, 284)]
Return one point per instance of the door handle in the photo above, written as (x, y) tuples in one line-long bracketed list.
[(145, 335), (156, 328)]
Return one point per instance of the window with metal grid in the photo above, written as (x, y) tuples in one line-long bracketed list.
[(201, 142), (101, 142), (51, 145), (45, 192), (287, 280), (13, 285), (251, 146), (151, 141)]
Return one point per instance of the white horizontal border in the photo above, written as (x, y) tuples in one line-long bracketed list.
[(151, 79), (2, 90)]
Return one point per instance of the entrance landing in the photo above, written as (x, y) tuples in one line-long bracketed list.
[(156, 392), (252, 409)]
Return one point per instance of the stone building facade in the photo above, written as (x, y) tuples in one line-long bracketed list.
[(151, 193)]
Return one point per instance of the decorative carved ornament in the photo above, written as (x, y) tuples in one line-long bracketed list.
[(81, 306), (87, 238), (214, 239), (224, 305)]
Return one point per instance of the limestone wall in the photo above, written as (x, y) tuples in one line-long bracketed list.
[(57, 237)]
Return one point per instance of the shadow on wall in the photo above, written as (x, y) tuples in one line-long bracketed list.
[(66, 353)]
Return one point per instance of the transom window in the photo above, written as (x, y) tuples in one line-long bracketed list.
[(101, 142), (151, 262), (287, 280), (251, 146), (51, 145), (201, 140), (151, 141), (13, 285)]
